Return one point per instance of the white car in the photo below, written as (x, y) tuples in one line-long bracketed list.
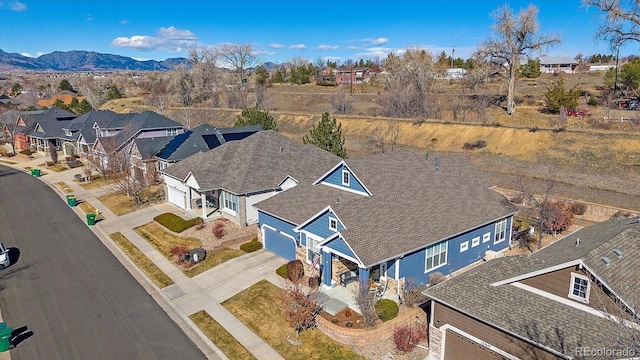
[(4, 256)]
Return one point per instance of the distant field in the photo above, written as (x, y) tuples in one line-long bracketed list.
[(594, 164)]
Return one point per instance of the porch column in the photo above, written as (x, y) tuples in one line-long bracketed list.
[(326, 268), (204, 205), (363, 275)]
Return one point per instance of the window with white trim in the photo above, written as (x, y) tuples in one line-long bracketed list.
[(436, 256), (172, 132), (464, 246), (333, 224), (579, 287), (486, 237), (346, 178), (313, 249), (229, 201), (475, 241), (501, 231)]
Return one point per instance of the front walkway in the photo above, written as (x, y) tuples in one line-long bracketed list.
[(188, 295)]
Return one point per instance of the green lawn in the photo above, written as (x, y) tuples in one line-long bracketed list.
[(258, 308)]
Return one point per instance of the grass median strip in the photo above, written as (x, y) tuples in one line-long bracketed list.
[(142, 261), (259, 307), (220, 336), (64, 187)]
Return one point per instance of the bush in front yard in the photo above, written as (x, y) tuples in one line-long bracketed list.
[(282, 271), (175, 223), (386, 309), (179, 252), (219, 230), (251, 246), (295, 270), (406, 337)]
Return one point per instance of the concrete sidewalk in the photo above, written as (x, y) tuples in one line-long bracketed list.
[(188, 295)]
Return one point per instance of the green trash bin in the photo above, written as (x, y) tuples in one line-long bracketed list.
[(71, 200), (91, 219), (36, 172), (32, 172), (5, 339)]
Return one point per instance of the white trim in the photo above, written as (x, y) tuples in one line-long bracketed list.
[(538, 272), (285, 179), (486, 237), (562, 300), (338, 235), (397, 267), (464, 246), (485, 344), (344, 188), (316, 215), (348, 182), (446, 250), (332, 219), (342, 163), (309, 239), (575, 276), (265, 226), (495, 228)]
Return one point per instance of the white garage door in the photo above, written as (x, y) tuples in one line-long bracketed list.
[(176, 196)]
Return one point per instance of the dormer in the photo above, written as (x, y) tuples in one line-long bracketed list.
[(343, 178)]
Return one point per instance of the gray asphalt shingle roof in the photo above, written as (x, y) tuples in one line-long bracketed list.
[(258, 162), (148, 147), (131, 125), (52, 121), (412, 204), (518, 310)]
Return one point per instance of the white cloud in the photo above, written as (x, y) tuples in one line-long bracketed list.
[(124, 22), (327, 47), (264, 53), (297, 46), (374, 52), (276, 46), (171, 39), (379, 41), (17, 6), (26, 54), (89, 17)]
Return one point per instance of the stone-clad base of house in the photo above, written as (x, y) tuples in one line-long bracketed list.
[(435, 343), (360, 337)]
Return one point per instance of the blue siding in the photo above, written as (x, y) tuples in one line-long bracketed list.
[(335, 178), (279, 244), (338, 244), (391, 269), (320, 225), (284, 226), (412, 266)]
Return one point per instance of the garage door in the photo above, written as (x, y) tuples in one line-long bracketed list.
[(279, 244), (175, 196), (458, 347)]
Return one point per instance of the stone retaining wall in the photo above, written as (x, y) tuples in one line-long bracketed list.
[(368, 336)]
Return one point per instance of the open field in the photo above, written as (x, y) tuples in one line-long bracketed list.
[(590, 161)]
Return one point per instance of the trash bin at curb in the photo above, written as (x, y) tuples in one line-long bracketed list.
[(32, 171), (91, 219), (71, 200), (5, 338), (36, 172)]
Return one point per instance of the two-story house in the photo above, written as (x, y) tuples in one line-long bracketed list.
[(574, 299)]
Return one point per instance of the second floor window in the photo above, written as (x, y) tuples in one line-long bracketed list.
[(172, 132)]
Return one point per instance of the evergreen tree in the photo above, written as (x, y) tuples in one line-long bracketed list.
[(327, 135), (65, 85), (253, 116), (531, 69), (557, 97), (113, 93), (15, 89)]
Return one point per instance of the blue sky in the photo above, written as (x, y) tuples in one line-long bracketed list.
[(280, 30)]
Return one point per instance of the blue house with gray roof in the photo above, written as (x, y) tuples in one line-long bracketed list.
[(392, 219)]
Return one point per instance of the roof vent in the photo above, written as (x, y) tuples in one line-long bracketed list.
[(618, 253), (577, 242), (605, 260), (281, 149)]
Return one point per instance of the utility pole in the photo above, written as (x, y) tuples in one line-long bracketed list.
[(453, 51), (615, 82)]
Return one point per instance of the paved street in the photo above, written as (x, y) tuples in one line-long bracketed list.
[(67, 293)]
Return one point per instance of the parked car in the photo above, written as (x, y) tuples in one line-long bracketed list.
[(4, 257)]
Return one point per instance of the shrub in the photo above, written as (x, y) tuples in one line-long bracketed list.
[(578, 208), (179, 252), (533, 129), (558, 217), (314, 282), (620, 214), (476, 145), (219, 230), (412, 294), (559, 129), (386, 309), (251, 246), (517, 198), (201, 226), (26, 152), (175, 223), (406, 337), (282, 271), (593, 101), (436, 278), (295, 270)]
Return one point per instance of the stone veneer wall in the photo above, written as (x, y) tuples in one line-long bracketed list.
[(361, 337), (435, 343)]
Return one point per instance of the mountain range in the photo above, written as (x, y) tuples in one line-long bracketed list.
[(61, 61)]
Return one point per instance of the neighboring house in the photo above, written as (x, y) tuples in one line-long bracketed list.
[(65, 96), (94, 121), (234, 176), (144, 164), (558, 64), (200, 139), (455, 73), (563, 301), (395, 218), (346, 75), (46, 129), (117, 137), (6, 101)]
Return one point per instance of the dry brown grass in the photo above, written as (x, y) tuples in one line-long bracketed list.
[(120, 204), (220, 336), (159, 278), (258, 308), (64, 187)]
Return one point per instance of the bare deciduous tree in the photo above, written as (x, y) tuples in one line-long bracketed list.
[(513, 37), (538, 206), (341, 102), (93, 91), (300, 307), (621, 20), (384, 138), (238, 58), (366, 302)]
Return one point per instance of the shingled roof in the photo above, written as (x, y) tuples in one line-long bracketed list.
[(52, 121), (259, 162), (519, 311), (412, 204)]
